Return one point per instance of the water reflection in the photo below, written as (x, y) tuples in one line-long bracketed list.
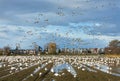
[(101, 67), (107, 69), (0, 65), (66, 66)]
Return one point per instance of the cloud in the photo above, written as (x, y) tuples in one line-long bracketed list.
[(35, 20), (72, 35), (10, 10)]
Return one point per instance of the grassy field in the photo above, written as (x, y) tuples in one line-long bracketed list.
[(81, 76), (45, 73)]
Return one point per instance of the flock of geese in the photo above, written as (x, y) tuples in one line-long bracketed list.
[(15, 64), (60, 12)]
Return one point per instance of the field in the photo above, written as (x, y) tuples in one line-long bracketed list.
[(60, 68)]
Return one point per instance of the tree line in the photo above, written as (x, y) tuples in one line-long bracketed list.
[(113, 48)]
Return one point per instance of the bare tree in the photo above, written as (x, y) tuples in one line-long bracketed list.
[(7, 50), (114, 43), (114, 47)]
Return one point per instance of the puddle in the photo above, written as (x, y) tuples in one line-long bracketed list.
[(66, 66), (47, 80), (0, 65), (106, 69), (35, 71)]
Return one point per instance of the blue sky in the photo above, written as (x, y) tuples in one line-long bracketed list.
[(69, 23)]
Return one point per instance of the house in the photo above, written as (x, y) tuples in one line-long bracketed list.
[(51, 48), (101, 51), (31, 51), (94, 50)]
